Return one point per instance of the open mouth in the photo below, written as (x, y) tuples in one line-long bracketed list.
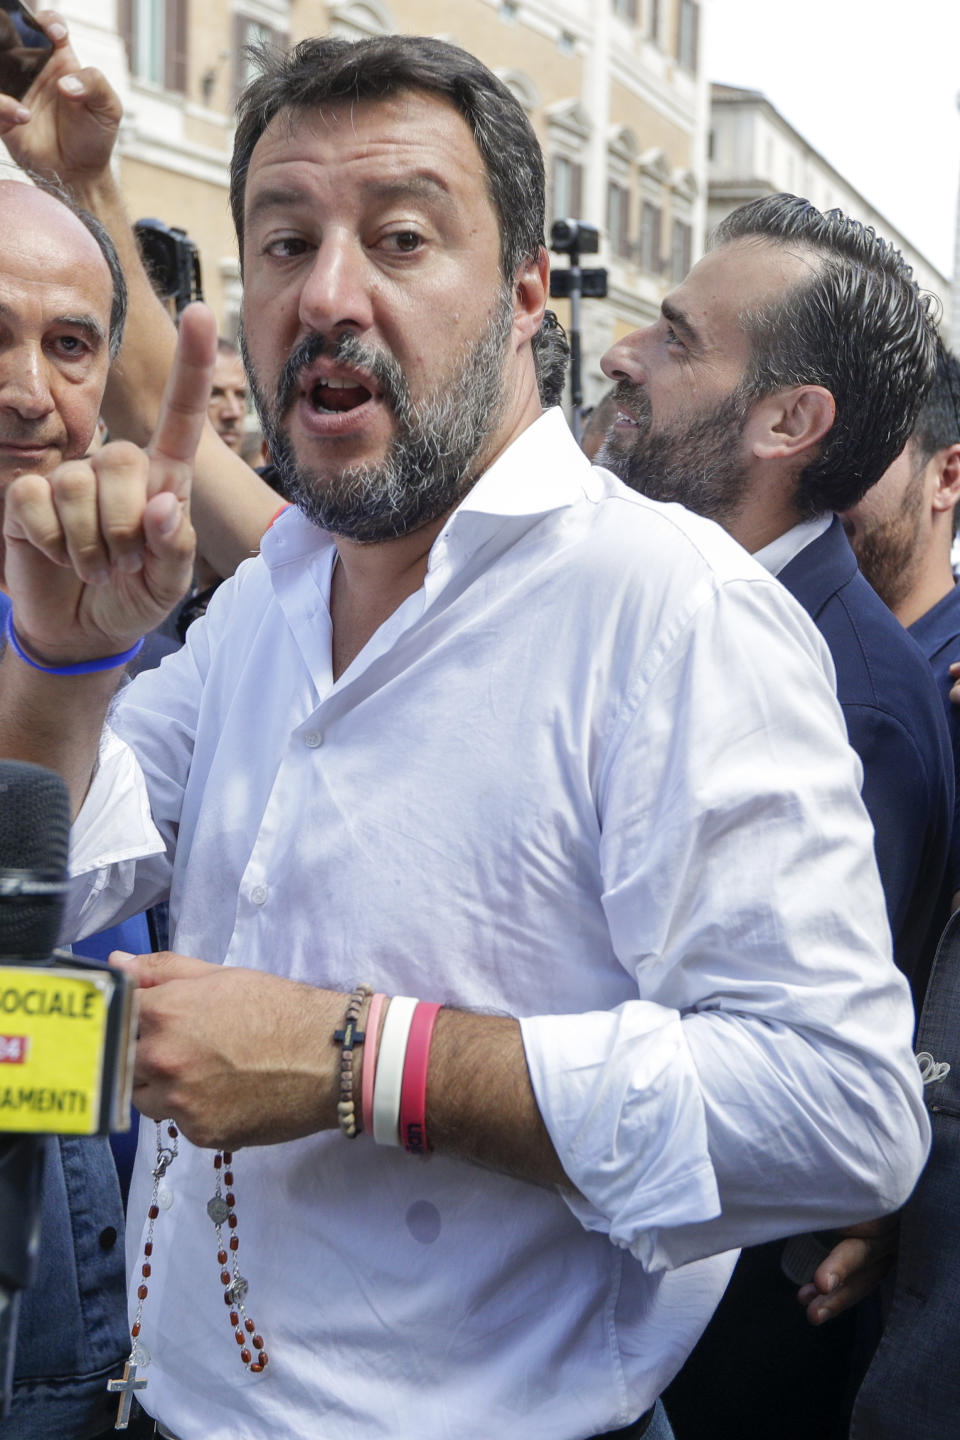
[(334, 397)]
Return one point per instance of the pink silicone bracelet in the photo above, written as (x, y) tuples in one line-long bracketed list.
[(372, 1030), (413, 1091)]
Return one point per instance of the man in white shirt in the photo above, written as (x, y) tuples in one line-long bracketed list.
[(480, 727), (783, 375)]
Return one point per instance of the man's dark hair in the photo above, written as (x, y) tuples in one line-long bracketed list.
[(118, 306), (551, 356), (938, 424), (858, 326), (325, 71)]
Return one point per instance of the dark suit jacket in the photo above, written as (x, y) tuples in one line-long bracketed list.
[(760, 1369), (896, 724)]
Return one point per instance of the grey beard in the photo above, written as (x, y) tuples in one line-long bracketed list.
[(699, 465), (428, 467)]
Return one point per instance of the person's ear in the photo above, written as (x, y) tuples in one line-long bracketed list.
[(789, 423), (531, 286), (946, 491)]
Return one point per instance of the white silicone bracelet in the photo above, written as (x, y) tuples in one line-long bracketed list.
[(388, 1081)]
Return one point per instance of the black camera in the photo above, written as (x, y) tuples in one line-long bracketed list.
[(172, 261), (571, 237)]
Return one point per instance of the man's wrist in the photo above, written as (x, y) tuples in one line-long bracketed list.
[(112, 658)]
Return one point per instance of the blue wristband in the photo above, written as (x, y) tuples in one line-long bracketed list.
[(85, 667)]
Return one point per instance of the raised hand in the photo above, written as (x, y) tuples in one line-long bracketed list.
[(99, 551), (65, 127)]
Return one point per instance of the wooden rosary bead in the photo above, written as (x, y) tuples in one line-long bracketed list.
[(228, 1178), (256, 1369), (234, 1242), (221, 1257), (249, 1326), (231, 1200), (217, 1161), (135, 1331), (148, 1248), (153, 1212), (234, 1317), (239, 1336), (262, 1357), (258, 1343), (225, 1276), (245, 1356), (145, 1270), (141, 1292)]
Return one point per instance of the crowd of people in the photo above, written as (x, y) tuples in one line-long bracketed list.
[(533, 862)]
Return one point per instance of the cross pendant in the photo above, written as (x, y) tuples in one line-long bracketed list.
[(125, 1388)]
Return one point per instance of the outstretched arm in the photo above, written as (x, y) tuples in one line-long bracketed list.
[(65, 130)]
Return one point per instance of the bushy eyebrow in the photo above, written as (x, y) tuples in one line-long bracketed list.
[(88, 325), (680, 323), (422, 185)]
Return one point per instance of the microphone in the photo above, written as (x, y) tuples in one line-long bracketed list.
[(67, 1027)]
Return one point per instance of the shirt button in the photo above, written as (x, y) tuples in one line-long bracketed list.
[(258, 894), (312, 739), (108, 1238)]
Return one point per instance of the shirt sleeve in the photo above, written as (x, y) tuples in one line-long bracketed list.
[(124, 838), (762, 1083)]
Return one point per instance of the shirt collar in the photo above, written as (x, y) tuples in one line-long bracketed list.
[(777, 555), (543, 469)]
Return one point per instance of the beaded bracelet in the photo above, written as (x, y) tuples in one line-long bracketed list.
[(389, 1077), (346, 1038), (413, 1091), (85, 667), (370, 1060)]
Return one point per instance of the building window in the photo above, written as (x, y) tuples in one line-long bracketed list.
[(155, 36), (567, 188), (625, 10), (618, 219), (651, 222), (688, 27), (681, 250), (653, 20), (247, 34)]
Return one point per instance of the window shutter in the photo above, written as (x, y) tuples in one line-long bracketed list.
[(239, 60), (125, 27), (175, 56), (576, 190)]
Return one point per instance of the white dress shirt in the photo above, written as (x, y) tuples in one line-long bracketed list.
[(591, 773), (786, 547)]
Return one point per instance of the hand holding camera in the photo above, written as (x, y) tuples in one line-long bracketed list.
[(57, 118)]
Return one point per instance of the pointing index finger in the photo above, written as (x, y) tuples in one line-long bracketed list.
[(184, 409)]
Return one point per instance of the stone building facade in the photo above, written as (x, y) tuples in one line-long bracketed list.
[(753, 151)]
